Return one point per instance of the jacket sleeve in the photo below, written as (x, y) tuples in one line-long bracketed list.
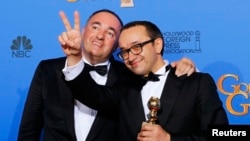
[(88, 92)]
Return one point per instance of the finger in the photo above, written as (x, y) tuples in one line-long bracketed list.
[(140, 137), (65, 21), (189, 68), (189, 62), (77, 21), (181, 69), (66, 50), (186, 69), (61, 40), (173, 64), (64, 39), (144, 136), (191, 71), (178, 70)]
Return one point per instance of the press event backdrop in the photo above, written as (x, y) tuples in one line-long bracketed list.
[(213, 33)]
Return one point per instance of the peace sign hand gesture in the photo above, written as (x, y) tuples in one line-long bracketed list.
[(70, 40)]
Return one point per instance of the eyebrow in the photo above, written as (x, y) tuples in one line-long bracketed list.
[(99, 23), (132, 44)]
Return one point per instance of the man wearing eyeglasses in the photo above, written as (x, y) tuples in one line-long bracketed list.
[(135, 49), (187, 107)]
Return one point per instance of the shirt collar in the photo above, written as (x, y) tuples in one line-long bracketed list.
[(162, 70), (103, 63)]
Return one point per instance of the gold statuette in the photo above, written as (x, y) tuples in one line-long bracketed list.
[(154, 106)]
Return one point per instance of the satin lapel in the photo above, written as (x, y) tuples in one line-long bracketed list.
[(99, 122), (96, 127), (114, 73), (169, 95), (112, 76), (66, 102)]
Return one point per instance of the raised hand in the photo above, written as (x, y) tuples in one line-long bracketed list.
[(70, 39)]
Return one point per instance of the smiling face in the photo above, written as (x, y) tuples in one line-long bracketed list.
[(100, 37), (149, 59)]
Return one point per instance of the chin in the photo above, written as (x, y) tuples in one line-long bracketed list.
[(137, 72)]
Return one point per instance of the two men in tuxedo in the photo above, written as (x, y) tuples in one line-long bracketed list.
[(188, 105), (50, 110)]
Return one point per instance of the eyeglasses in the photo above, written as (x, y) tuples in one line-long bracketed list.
[(135, 49)]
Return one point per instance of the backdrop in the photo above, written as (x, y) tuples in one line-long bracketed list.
[(214, 34)]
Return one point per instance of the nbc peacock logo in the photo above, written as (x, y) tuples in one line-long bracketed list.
[(21, 47)]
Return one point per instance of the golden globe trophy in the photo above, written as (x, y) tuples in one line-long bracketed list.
[(153, 105)]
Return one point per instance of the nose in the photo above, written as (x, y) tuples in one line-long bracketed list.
[(100, 35)]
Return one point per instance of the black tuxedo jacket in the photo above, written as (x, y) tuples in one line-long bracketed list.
[(189, 105), (49, 107)]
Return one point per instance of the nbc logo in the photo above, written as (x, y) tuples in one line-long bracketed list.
[(17, 51)]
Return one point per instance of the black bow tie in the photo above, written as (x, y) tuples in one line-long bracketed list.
[(153, 77), (102, 70)]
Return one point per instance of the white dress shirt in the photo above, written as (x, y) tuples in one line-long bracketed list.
[(83, 115), (154, 88)]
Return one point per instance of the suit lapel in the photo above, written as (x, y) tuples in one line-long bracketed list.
[(113, 75), (169, 95), (98, 124), (115, 72), (135, 105)]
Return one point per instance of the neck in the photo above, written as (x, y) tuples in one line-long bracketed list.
[(160, 63)]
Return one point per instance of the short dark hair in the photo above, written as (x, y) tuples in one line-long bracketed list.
[(152, 30), (108, 11)]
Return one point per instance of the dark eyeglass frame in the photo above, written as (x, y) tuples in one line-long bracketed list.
[(132, 49)]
